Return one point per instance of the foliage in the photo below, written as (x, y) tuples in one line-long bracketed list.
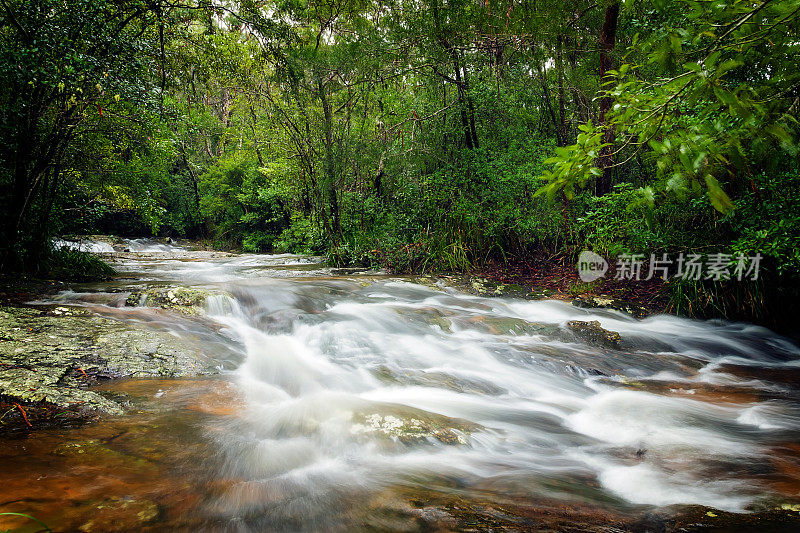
[(75, 265), (759, 230), (416, 137), (721, 104), (300, 237), (66, 68), (629, 220)]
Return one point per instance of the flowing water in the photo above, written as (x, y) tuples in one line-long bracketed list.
[(376, 403)]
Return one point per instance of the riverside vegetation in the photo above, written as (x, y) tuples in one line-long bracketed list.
[(195, 389), (429, 138), (447, 135)]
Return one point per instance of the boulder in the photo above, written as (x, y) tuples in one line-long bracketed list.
[(592, 333), (189, 301)]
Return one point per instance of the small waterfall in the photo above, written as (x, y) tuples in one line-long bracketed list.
[(95, 247)]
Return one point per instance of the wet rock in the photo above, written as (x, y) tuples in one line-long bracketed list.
[(431, 315), (51, 359), (699, 518), (434, 517), (432, 282), (500, 325), (601, 302), (67, 311), (418, 428), (592, 333), (186, 300), (121, 514), (95, 451), (486, 287)]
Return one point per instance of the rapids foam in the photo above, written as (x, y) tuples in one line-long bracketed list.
[(322, 355), (351, 386)]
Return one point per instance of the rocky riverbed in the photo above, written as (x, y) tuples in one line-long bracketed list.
[(50, 359), (198, 390)]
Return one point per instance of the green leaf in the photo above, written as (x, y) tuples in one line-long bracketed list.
[(675, 43), (725, 66), (719, 199), (726, 96)]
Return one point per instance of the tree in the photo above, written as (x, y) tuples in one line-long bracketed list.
[(722, 101), (66, 68)]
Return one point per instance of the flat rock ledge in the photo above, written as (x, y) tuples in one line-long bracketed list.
[(50, 359), (189, 301)]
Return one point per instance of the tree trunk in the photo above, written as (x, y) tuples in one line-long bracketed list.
[(330, 170), (608, 36), (471, 107), (562, 113), (549, 101), (193, 179), (462, 103), (470, 136)]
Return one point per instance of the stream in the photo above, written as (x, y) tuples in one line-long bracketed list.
[(380, 403)]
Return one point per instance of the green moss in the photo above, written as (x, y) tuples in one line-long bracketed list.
[(592, 333), (186, 300), (52, 357)]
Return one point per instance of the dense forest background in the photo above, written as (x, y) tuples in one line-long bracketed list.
[(416, 134)]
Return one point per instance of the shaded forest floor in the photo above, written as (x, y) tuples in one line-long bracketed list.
[(555, 276)]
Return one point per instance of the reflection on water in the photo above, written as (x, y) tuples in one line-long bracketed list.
[(377, 404)]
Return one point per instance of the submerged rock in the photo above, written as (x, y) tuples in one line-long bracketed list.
[(189, 301), (503, 325), (120, 514), (413, 428), (592, 333), (433, 379), (431, 315), (51, 358)]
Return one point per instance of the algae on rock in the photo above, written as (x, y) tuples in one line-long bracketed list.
[(592, 333), (184, 299), (47, 357)]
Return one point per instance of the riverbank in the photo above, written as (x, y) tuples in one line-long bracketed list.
[(358, 399), (53, 355), (547, 275), (51, 358)]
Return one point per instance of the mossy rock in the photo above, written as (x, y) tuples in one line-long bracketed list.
[(489, 288), (186, 300), (602, 302), (592, 333), (52, 359), (413, 427)]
